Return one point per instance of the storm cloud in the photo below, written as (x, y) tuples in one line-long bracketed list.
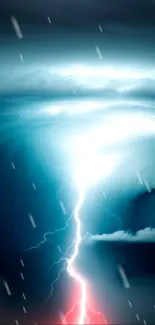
[(144, 235)]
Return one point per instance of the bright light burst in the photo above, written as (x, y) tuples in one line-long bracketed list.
[(89, 170), (91, 163), (92, 166), (116, 129)]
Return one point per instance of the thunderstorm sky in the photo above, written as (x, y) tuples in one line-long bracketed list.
[(72, 67)]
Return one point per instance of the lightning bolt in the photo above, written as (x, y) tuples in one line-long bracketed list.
[(69, 265), (86, 176), (82, 318), (91, 166), (71, 268), (51, 233)]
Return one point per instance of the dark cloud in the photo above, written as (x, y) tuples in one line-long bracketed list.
[(74, 13)]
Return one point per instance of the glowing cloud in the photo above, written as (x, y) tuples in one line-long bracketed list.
[(90, 169), (116, 129), (108, 72)]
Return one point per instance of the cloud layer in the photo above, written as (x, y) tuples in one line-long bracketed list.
[(144, 235), (80, 80)]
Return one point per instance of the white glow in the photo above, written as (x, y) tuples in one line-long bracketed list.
[(80, 107), (90, 165), (92, 168), (121, 79), (107, 72), (70, 107), (118, 128)]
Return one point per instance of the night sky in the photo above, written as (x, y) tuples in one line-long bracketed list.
[(65, 67)]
